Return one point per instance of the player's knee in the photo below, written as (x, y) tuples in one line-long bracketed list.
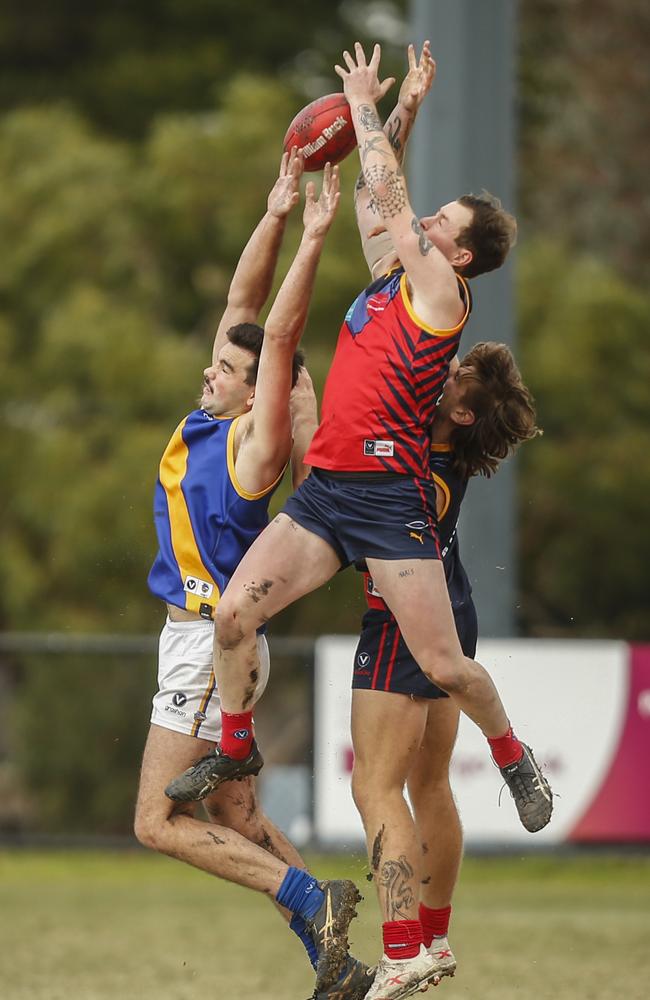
[(359, 788), (446, 671), (227, 624), (430, 794), (371, 788)]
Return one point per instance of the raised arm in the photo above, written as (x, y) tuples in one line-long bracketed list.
[(375, 240), (253, 277), (267, 440), (431, 276)]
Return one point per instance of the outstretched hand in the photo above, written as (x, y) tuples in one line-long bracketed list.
[(302, 400), (418, 80), (360, 79), (319, 212), (285, 193)]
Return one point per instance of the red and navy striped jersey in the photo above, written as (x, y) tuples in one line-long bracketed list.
[(205, 520), (453, 488), (387, 373)]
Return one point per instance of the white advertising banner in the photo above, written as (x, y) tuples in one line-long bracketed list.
[(568, 700)]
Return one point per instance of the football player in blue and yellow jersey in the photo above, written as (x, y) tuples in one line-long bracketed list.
[(215, 480)]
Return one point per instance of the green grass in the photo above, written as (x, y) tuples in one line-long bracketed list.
[(133, 926)]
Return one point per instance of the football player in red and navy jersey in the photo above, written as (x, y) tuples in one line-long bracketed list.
[(369, 496)]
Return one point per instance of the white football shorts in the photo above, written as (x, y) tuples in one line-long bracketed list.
[(187, 699)]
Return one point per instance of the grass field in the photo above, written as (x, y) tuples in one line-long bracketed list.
[(133, 926)]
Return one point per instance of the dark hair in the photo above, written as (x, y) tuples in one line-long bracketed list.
[(503, 408), (249, 337), (490, 234)]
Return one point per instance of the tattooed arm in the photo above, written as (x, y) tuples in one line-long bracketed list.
[(432, 280), (376, 242)]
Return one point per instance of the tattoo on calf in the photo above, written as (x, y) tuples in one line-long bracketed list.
[(387, 191), (423, 243), (400, 896), (218, 841)]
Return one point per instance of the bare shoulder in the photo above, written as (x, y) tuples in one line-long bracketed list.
[(258, 460)]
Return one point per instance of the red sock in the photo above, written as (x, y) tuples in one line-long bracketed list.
[(435, 923), (236, 734), (402, 938), (506, 749)]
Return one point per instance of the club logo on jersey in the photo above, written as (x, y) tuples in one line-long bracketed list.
[(194, 585), (363, 659), (377, 303), (378, 448), (179, 699), (241, 734)]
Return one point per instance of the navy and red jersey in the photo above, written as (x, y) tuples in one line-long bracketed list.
[(387, 373), (453, 488)]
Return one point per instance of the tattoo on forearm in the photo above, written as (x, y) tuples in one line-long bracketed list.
[(218, 841), (394, 128), (373, 146), (400, 896), (423, 243), (369, 119), (387, 190), (360, 185)]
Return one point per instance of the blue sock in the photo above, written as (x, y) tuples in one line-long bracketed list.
[(300, 893), (299, 927)]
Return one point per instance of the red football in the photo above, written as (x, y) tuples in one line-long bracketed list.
[(323, 130)]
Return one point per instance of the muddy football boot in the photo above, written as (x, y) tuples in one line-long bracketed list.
[(211, 771), (443, 957), (397, 978), (329, 930), (355, 979), (530, 790)]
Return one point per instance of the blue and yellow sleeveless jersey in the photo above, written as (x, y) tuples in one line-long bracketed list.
[(205, 521)]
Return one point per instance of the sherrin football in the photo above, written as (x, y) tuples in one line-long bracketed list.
[(323, 130)]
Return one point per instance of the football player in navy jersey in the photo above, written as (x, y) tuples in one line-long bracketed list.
[(484, 414), (215, 481)]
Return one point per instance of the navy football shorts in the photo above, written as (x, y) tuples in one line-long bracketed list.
[(391, 517), (383, 662)]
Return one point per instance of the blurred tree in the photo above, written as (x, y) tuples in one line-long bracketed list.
[(108, 307), (122, 63), (79, 760), (585, 544), (585, 127)]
